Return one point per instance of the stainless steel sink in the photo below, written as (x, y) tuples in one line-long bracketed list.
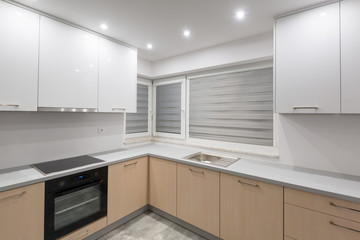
[(210, 158)]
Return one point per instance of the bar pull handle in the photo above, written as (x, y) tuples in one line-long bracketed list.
[(134, 163), (118, 109), (305, 107), (192, 170), (249, 184), (9, 105), (81, 235), (347, 228), (338, 206), (13, 196)]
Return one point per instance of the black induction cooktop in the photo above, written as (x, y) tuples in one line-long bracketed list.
[(65, 164)]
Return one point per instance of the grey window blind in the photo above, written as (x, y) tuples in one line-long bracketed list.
[(138, 122), (235, 107), (168, 108)]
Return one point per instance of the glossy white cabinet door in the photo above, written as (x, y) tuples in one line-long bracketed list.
[(117, 77), (19, 43), (68, 75), (350, 56), (307, 59)]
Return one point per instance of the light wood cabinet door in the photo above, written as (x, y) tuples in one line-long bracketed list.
[(307, 61), (127, 188), (198, 197), (19, 50), (304, 224), (117, 77), (249, 209), (86, 231), (68, 70), (350, 56), (22, 213), (162, 185)]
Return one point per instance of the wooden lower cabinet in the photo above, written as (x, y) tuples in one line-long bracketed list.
[(22, 213), (305, 224), (162, 185), (86, 231), (127, 188), (249, 209), (198, 197)]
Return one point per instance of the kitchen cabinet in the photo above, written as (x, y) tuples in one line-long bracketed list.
[(162, 185), (198, 197), (68, 70), (22, 213), (127, 188), (19, 46), (250, 209), (309, 216), (307, 61), (117, 77), (86, 231), (350, 56)]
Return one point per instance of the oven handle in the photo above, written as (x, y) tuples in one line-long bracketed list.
[(77, 188)]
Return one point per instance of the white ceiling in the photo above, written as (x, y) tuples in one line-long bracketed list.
[(161, 22)]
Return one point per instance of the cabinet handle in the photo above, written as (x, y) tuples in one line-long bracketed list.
[(118, 109), (81, 235), (249, 184), (347, 228), (9, 105), (192, 170), (306, 107), (338, 206), (13, 196), (126, 165)]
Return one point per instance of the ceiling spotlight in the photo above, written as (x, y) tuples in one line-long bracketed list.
[(187, 33), (149, 46), (104, 26), (240, 15)]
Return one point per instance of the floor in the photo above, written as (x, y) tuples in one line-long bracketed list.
[(150, 226)]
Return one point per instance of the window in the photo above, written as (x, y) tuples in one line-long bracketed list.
[(139, 124), (233, 107), (169, 100)]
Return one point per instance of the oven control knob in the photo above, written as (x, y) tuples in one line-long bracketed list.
[(61, 183)]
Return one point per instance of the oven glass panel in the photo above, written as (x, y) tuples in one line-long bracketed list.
[(76, 206)]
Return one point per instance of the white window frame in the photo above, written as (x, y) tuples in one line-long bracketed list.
[(157, 83), (147, 83), (241, 147)]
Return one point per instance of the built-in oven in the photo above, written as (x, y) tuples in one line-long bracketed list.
[(74, 201)]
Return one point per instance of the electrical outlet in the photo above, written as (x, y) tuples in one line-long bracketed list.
[(101, 131)]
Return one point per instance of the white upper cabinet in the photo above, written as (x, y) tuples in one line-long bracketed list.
[(19, 43), (117, 77), (350, 56), (307, 55), (68, 75)]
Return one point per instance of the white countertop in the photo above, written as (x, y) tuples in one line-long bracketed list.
[(259, 168)]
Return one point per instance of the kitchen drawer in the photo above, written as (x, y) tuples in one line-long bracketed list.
[(86, 231), (333, 206), (305, 224)]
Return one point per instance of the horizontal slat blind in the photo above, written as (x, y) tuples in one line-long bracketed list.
[(168, 108), (234, 107), (138, 122)]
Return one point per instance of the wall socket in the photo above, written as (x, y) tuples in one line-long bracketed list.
[(101, 131)]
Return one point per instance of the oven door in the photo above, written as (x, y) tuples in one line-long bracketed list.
[(69, 210)]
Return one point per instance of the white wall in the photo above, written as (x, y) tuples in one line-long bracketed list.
[(145, 68), (241, 51), (36, 137), (323, 142)]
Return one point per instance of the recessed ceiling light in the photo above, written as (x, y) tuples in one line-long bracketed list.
[(323, 14), (104, 26), (240, 14), (187, 33), (149, 46)]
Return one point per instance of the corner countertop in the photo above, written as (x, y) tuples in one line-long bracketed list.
[(257, 168)]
